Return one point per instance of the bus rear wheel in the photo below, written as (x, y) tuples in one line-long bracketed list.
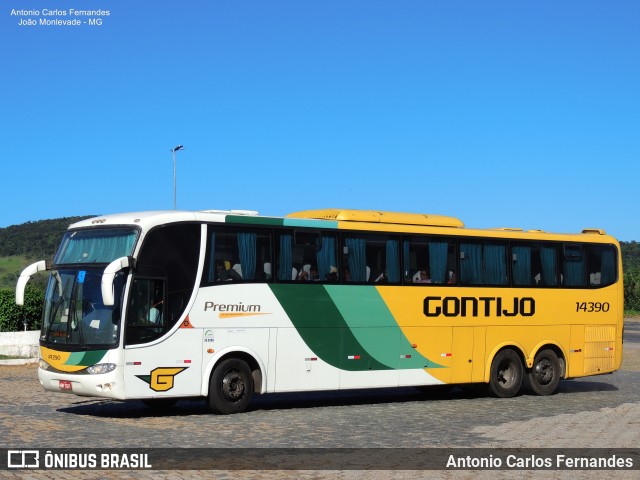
[(231, 387), (544, 377), (506, 375)]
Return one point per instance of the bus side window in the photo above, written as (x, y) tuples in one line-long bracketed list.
[(238, 254), (371, 258), (429, 260), (601, 264), (573, 266), (483, 263), (306, 256), (533, 264)]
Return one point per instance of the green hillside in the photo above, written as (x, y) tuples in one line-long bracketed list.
[(10, 268), (35, 239), (21, 245)]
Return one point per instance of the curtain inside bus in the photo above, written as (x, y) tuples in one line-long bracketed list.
[(356, 257), (495, 266), (471, 264), (285, 264), (438, 261), (393, 262), (247, 251), (549, 270), (326, 255), (573, 266), (521, 265)]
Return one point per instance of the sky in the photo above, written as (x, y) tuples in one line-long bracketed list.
[(503, 114)]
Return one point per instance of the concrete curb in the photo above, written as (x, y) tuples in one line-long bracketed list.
[(18, 361), (23, 345)]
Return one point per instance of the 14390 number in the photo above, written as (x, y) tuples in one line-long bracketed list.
[(592, 307)]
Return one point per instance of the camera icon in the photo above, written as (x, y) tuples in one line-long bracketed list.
[(23, 459)]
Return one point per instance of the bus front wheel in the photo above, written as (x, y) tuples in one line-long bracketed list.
[(507, 372), (231, 387), (544, 377)]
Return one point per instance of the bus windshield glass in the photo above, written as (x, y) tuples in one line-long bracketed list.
[(98, 245), (74, 314)]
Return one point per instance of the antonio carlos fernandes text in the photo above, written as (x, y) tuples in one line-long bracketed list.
[(72, 12), (560, 461)]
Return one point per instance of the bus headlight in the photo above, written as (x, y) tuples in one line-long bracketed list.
[(101, 368), (44, 365)]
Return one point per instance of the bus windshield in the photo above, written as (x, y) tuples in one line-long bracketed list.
[(74, 314), (98, 245)]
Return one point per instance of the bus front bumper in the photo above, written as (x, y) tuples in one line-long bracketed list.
[(107, 385)]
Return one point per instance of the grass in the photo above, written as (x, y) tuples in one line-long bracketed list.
[(9, 357), (10, 268)]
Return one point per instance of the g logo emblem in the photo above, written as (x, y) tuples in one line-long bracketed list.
[(161, 378)]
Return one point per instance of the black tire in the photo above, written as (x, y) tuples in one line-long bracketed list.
[(506, 374), (231, 387), (544, 377)]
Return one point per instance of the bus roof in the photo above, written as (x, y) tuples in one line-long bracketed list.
[(374, 216), (332, 218)]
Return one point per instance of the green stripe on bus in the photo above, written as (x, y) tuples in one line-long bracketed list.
[(279, 222), (253, 220), (322, 327), (374, 326), (301, 222), (85, 359)]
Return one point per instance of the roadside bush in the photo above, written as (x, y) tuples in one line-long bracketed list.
[(632, 289), (12, 315)]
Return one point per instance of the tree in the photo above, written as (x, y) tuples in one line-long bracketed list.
[(632, 288), (12, 316), (631, 267)]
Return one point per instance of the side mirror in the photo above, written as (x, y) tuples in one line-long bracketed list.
[(25, 276), (108, 297)]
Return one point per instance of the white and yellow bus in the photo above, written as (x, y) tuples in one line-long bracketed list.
[(159, 306)]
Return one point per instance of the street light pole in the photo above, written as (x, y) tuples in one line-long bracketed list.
[(174, 150)]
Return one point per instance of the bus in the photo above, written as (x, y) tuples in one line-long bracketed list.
[(222, 305)]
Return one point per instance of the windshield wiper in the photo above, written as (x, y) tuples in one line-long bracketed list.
[(52, 316), (73, 314)]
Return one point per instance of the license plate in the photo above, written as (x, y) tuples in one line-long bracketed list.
[(65, 385)]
